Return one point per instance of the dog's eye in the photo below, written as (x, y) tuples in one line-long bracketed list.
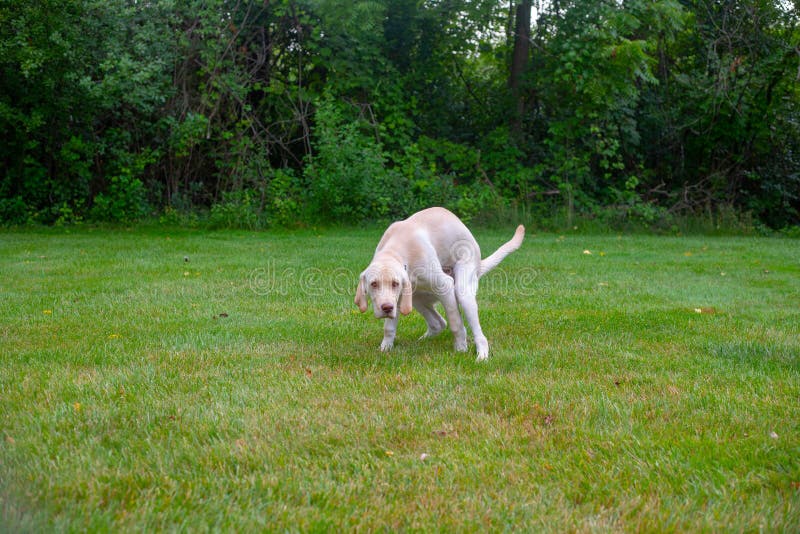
[(374, 284), (395, 283)]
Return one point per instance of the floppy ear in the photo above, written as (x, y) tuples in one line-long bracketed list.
[(361, 297), (405, 295)]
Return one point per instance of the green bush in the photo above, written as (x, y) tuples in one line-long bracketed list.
[(124, 201), (124, 198), (348, 177), (175, 217), (284, 199), (623, 112), (238, 209), (13, 210)]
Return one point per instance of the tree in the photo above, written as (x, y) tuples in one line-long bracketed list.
[(520, 54), (268, 111)]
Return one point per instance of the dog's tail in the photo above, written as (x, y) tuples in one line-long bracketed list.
[(499, 255)]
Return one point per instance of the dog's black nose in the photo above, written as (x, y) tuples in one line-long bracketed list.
[(387, 308)]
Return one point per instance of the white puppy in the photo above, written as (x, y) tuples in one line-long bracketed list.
[(430, 257)]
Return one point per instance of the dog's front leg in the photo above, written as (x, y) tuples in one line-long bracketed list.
[(389, 331)]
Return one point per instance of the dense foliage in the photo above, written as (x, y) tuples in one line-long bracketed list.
[(274, 112)]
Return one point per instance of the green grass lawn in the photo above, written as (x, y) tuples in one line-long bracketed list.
[(635, 383)]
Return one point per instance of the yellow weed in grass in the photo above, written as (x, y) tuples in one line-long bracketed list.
[(48, 312)]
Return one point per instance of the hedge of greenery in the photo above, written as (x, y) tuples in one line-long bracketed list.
[(304, 111)]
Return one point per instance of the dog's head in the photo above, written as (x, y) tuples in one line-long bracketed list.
[(388, 287)]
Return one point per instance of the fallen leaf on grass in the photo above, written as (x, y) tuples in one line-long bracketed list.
[(423, 456), (709, 310), (77, 406), (389, 453), (587, 252), (223, 315), (773, 435)]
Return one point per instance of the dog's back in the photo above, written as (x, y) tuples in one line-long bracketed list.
[(441, 230)]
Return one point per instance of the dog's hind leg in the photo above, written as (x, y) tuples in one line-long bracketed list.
[(444, 287), (424, 304), (466, 288)]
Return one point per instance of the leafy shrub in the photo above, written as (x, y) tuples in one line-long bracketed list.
[(791, 231), (124, 200), (238, 209), (13, 210), (285, 198), (348, 178), (172, 216), (67, 215)]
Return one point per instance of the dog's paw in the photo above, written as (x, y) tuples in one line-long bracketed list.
[(460, 340), (482, 347), (387, 345)]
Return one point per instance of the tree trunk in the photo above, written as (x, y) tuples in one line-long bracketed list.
[(519, 58)]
